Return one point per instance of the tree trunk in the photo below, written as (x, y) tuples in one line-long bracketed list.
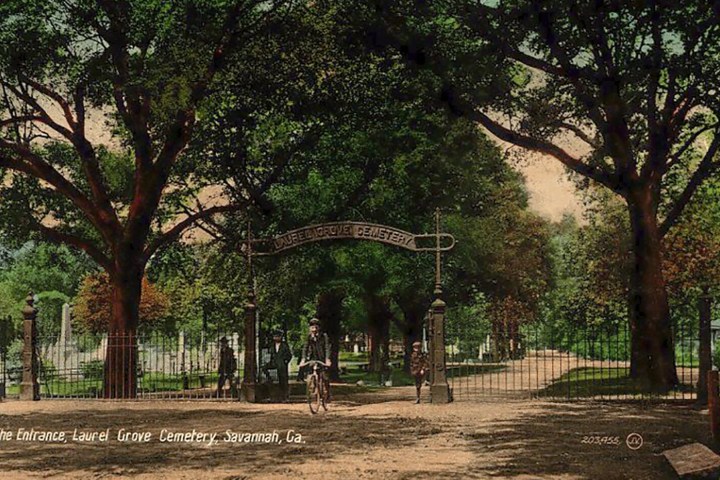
[(329, 312), (414, 315), (652, 350), (379, 318), (121, 354)]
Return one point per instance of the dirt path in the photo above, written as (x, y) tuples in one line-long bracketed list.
[(368, 437)]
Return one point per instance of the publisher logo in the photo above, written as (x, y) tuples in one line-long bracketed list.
[(634, 441)]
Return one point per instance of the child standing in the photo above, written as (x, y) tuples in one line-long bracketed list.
[(418, 367)]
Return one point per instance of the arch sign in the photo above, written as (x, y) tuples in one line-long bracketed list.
[(350, 230), (252, 247)]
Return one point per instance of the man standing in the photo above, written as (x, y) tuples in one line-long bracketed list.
[(227, 367), (317, 347), (279, 358), (418, 367)]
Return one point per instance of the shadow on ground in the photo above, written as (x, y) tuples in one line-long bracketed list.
[(566, 441), (325, 435)]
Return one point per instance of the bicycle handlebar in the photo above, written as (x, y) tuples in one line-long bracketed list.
[(315, 362), (309, 362)]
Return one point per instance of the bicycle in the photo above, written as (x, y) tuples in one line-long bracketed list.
[(317, 391)]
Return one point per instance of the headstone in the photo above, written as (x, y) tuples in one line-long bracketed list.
[(181, 350), (103, 348), (694, 459), (356, 348), (62, 357), (65, 326)]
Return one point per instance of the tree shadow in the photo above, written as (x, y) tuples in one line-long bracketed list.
[(326, 436), (589, 441)]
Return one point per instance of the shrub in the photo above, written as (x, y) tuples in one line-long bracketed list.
[(93, 369)]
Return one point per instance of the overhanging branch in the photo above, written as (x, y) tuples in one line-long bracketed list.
[(705, 168), (57, 236), (175, 232), (574, 164), (31, 164)]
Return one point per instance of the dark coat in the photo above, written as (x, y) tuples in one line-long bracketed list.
[(317, 348), (228, 364), (418, 361), (281, 358)]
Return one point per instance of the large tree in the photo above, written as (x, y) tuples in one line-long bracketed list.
[(145, 68), (619, 92)]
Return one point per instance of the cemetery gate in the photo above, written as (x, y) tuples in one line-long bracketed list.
[(219, 364)]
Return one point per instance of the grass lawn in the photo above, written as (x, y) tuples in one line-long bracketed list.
[(593, 382), (92, 387), (354, 357)]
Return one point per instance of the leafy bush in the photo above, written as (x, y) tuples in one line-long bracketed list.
[(48, 370), (716, 355), (93, 369)]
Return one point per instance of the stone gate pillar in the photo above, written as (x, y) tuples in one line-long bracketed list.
[(29, 388), (439, 388), (248, 388)]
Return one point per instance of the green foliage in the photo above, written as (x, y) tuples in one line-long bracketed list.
[(47, 371), (52, 272), (49, 318), (93, 369)]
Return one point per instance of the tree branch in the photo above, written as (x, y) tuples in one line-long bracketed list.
[(705, 168), (44, 117), (31, 164), (57, 236), (48, 92), (183, 225), (580, 134), (78, 140), (547, 148), (675, 157)]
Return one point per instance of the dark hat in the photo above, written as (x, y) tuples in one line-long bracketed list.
[(223, 340), (416, 344), (277, 333), (314, 321)]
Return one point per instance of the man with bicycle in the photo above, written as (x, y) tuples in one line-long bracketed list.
[(317, 348)]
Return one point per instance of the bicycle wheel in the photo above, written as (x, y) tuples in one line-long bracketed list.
[(313, 393)]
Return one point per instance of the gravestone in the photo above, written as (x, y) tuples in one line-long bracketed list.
[(181, 351), (65, 344), (65, 325)]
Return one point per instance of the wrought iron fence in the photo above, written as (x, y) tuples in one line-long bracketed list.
[(6, 374), (182, 366), (543, 360)]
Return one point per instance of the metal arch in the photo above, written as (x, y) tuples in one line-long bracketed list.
[(348, 230)]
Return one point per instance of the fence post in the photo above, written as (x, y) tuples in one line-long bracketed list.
[(704, 307), (29, 388), (250, 369), (4, 342), (713, 403)]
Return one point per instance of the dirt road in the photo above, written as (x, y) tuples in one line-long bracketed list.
[(371, 437)]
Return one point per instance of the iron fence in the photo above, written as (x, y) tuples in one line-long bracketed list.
[(543, 360), (182, 366)]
